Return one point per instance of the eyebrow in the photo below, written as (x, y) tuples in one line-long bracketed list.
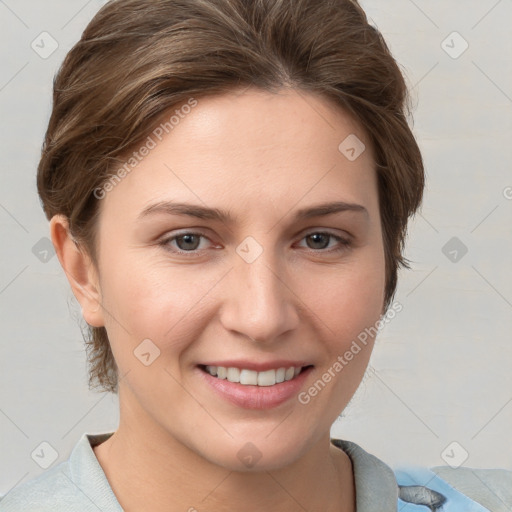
[(201, 212)]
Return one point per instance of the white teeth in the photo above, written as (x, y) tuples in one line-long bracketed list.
[(248, 377), (233, 375), (280, 375), (253, 378), (267, 378), (290, 372)]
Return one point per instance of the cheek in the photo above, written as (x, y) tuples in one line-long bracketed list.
[(353, 300), (350, 306), (148, 300)]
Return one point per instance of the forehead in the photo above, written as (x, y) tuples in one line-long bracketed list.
[(252, 148)]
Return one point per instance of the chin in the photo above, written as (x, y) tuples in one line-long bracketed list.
[(254, 454)]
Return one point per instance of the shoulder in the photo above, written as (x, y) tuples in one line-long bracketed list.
[(52, 490), (75, 484), (490, 487), (412, 488), (462, 488)]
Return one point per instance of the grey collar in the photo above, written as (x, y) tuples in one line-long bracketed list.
[(375, 482)]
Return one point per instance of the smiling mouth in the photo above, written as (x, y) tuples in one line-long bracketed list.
[(253, 378)]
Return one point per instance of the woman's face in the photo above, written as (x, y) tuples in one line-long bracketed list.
[(257, 276)]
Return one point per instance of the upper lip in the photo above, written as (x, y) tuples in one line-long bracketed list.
[(258, 366)]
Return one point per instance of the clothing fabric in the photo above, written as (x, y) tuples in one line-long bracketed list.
[(80, 485), (421, 487), (490, 487), (75, 485)]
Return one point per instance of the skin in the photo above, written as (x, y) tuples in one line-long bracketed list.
[(261, 157)]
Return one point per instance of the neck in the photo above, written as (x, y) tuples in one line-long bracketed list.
[(148, 469)]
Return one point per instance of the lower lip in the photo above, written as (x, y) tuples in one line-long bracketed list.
[(256, 397)]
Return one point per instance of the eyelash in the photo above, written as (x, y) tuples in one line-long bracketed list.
[(344, 243)]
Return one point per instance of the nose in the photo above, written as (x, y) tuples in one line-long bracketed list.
[(260, 304)]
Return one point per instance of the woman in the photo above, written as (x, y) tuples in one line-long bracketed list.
[(228, 185)]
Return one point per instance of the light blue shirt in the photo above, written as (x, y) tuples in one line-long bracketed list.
[(80, 485)]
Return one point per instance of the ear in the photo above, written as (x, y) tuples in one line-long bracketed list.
[(79, 270)]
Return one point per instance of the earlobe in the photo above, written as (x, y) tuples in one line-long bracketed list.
[(79, 270)]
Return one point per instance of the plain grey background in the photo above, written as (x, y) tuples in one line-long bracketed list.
[(439, 389)]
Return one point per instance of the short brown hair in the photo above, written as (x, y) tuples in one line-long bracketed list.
[(137, 59)]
